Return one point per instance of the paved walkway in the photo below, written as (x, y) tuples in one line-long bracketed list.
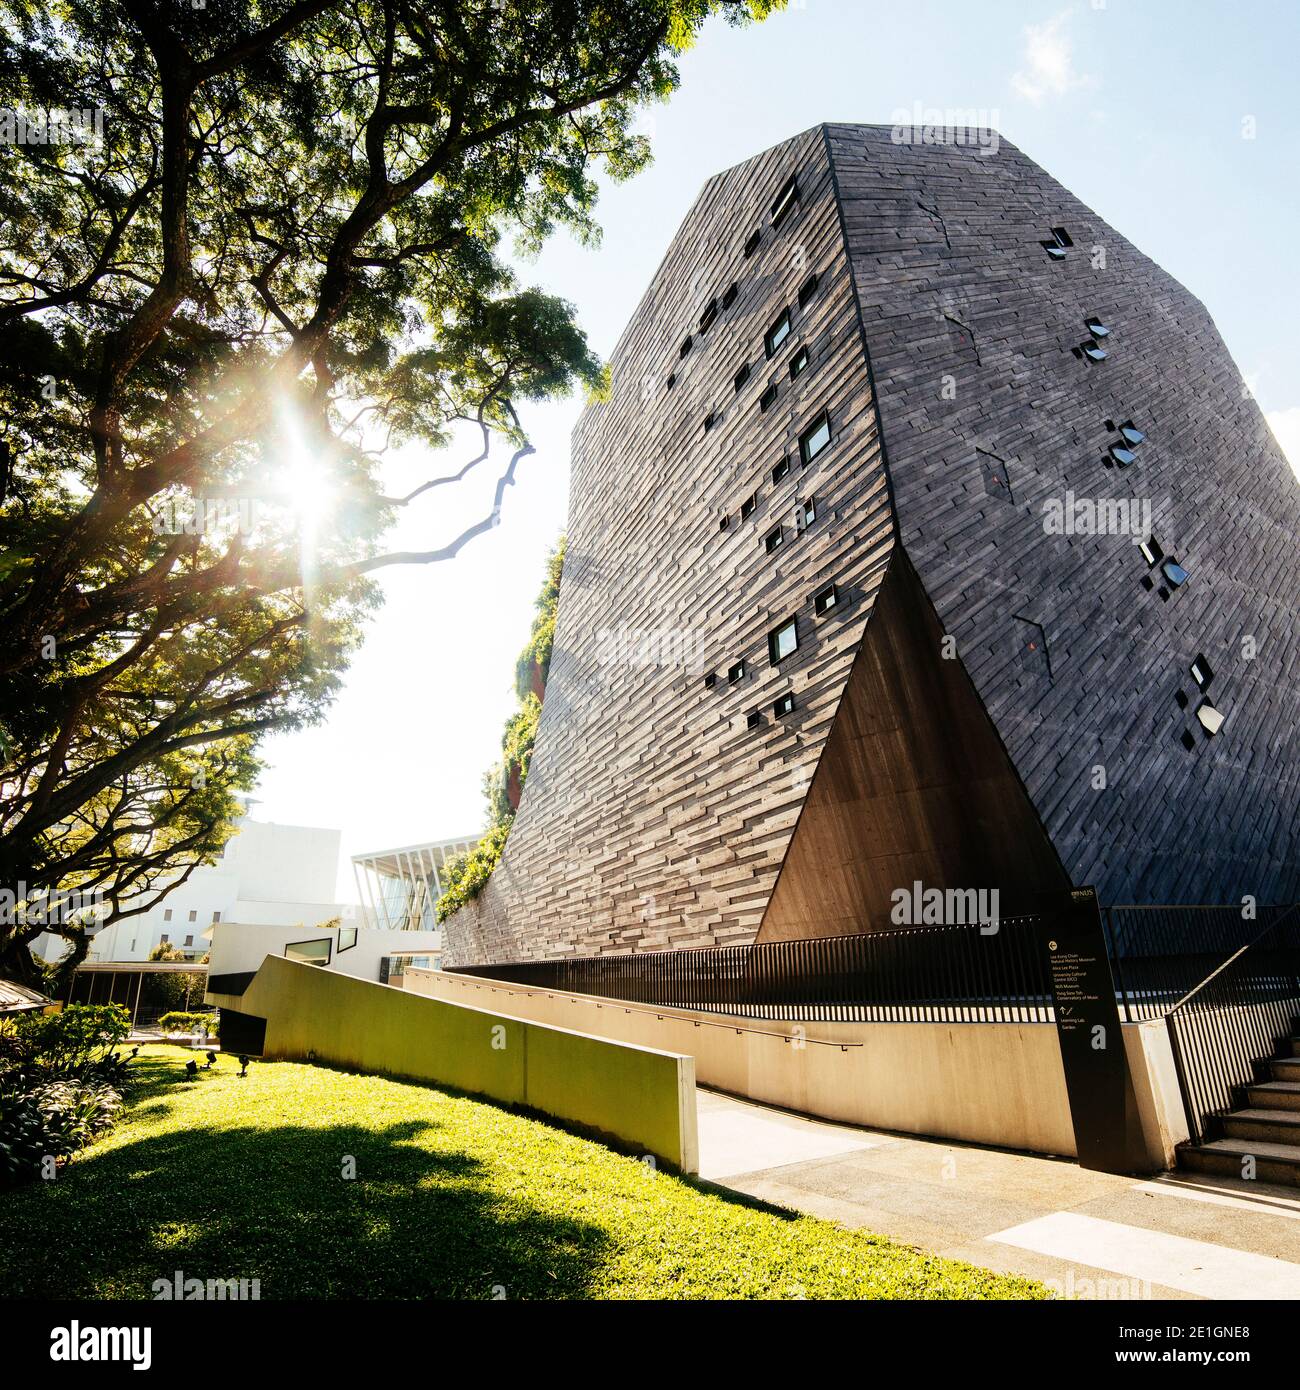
[(1088, 1234)]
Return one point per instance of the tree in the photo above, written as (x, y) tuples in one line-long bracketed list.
[(279, 257)]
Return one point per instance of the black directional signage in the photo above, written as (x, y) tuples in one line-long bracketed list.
[(1088, 1029)]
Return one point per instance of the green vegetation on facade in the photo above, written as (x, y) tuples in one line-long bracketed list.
[(451, 1198), (467, 874)]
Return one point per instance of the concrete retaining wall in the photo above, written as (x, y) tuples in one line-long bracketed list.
[(636, 1095), (985, 1083)]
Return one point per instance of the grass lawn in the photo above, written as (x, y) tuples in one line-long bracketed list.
[(452, 1198)]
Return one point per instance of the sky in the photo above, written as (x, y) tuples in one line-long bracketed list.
[(1177, 121)]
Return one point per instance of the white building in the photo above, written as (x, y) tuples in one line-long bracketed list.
[(269, 875)]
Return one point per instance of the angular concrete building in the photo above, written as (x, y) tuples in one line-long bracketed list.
[(929, 535)]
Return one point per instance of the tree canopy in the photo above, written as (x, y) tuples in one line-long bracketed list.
[(269, 247)]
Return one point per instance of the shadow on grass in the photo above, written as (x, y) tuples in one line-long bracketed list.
[(273, 1204)]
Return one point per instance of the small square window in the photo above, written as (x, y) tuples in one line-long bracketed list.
[(807, 290), (778, 333), (164, 939), (737, 672), (1201, 672), (710, 680), (167, 914), (754, 719), (781, 470), (784, 706), (806, 513), (774, 540), (768, 399), (783, 641), (785, 200), (723, 523), (710, 313), (742, 376), (729, 298), (709, 421), (798, 362), (189, 941), (815, 438), (685, 347), (194, 914), (825, 599), (216, 916), (1151, 551), (748, 505), (751, 244)]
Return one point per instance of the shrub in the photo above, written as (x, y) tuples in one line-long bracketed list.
[(66, 1043), (178, 1021), (61, 1084), (53, 1119)]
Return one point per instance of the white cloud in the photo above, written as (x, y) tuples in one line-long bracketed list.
[(1285, 425), (1049, 62)]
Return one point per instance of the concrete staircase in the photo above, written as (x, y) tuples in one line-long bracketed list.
[(1265, 1124)]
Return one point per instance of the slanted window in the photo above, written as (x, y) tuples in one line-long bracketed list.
[(709, 421), (815, 438), (768, 399), (736, 672), (1122, 454), (806, 513), (347, 938), (1151, 551), (710, 680), (785, 201), (783, 641), (774, 540), (784, 706), (742, 376), (748, 505), (778, 333), (710, 313), (316, 952), (685, 347), (1094, 352), (1056, 245), (1174, 573), (729, 298), (807, 290), (754, 719), (723, 523), (1131, 433), (798, 362), (751, 245), (825, 599), (1211, 719), (1096, 327), (781, 470), (672, 380), (1201, 672)]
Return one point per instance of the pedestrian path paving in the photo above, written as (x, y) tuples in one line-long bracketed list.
[(1089, 1235)]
